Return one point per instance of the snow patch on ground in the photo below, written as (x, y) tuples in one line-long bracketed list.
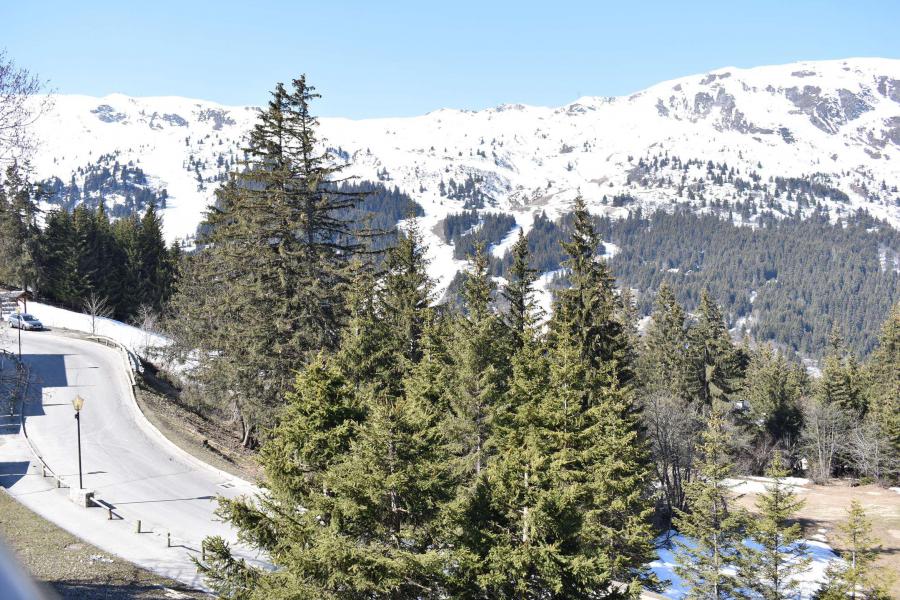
[(758, 485), (543, 293), (663, 567), (610, 250)]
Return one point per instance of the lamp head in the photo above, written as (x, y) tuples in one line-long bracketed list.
[(77, 403)]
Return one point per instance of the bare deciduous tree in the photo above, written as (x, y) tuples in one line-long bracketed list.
[(673, 429), (825, 432), (871, 452), (96, 307), (147, 320), (21, 103)]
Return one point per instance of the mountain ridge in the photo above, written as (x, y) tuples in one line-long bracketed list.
[(831, 129)]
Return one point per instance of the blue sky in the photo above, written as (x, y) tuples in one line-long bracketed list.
[(404, 58)]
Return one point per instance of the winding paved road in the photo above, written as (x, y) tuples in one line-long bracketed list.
[(126, 462)]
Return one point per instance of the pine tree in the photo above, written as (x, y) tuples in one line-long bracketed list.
[(768, 569), (616, 458), (510, 527), (716, 365), (841, 380), (314, 430), (518, 292), (561, 510), (479, 376), (883, 372), (664, 361), (154, 271), (18, 230), (713, 530), (589, 310), (58, 261), (357, 480), (774, 390), (405, 301), (128, 292), (855, 577), (275, 275), (364, 356)]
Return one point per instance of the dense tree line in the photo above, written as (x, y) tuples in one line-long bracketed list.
[(799, 278), (411, 450), (124, 262), (472, 453), (468, 191), (377, 212), (715, 410), (77, 256), (545, 244), (420, 450), (467, 229)]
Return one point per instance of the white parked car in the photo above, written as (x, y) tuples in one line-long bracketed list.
[(25, 321)]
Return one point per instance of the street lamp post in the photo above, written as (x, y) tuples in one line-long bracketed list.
[(77, 403)]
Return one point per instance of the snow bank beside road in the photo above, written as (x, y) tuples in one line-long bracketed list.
[(133, 338)]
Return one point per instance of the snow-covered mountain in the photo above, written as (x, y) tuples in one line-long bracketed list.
[(776, 136)]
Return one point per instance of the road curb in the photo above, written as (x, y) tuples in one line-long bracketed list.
[(131, 364)]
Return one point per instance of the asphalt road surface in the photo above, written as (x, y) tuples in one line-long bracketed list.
[(124, 460)]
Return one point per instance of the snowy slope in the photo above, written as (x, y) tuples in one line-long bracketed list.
[(836, 120)]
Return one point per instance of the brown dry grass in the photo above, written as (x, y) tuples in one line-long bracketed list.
[(198, 436), (826, 507), (73, 568)]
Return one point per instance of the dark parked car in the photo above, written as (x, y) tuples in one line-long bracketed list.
[(26, 322)]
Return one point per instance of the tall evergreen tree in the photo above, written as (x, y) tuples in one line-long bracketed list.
[(883, 372), (509, 523), (128, 288), (518, 292), (664, 362), (841, 381), (714, 529), (588, 311), (773, 390), (58, 260), (479, 373), (768, 570), (18, 230), (275, 274), (716, 365), (155, 269), (408, 292)]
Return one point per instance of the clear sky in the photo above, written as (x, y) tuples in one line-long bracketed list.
[(383, 58)]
